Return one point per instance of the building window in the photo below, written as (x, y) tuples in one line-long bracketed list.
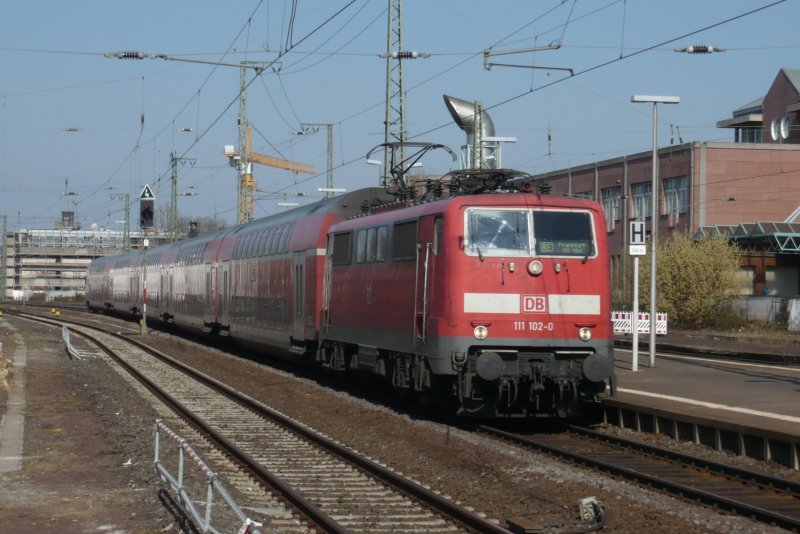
[(611, 197), (584, 194), (641, 196), (675, 195), (748, 135)]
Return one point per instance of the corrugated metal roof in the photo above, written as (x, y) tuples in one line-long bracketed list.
[(754, 106), (780, 237)]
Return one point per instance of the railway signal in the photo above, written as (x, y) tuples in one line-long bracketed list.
[(146, 207)]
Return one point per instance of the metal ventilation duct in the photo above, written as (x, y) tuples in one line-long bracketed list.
[(463, 113)]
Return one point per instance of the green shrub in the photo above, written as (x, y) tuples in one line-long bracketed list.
[(693, 279)]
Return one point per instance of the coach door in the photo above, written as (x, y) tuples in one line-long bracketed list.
[(426, 251), (298, 296), (224, 291), (211, 310)]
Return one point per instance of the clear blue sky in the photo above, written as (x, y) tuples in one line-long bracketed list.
[(67, 113)]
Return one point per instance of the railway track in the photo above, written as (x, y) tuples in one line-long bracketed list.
[(759, 496), (329, 487)]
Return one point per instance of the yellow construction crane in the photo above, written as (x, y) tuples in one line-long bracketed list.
[(247, 186)]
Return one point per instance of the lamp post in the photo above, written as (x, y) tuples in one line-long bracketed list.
[(145, 244), (654, 214)]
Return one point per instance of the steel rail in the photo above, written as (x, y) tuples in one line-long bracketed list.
[(462, 515), (682, 490), (467, 518), (746, 475), (307, 510)]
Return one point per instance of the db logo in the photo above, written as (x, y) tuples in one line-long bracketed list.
[(534, 304)]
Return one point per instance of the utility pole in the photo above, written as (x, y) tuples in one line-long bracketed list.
[(477, 149), (244, 190), (173, 198), (311, 127), (395, 120), (173, 204), (244, 158), (329, 181), (4, 261), (126, 232)]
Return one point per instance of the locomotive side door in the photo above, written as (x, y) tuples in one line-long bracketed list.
[(426, 252)]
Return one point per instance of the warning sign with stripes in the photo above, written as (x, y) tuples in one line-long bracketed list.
[(622, 322)]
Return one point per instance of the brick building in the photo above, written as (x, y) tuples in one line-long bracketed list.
[(748, 190)]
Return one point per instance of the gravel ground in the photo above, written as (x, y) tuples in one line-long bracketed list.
[(498, 479), (88, 451), (88, 445)]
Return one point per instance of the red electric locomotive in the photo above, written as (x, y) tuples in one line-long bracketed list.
[(498, 301), (490, 298)]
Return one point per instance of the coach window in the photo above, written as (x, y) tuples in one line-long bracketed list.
[(372, 244), (268, 234), (341, 249), (404, 241), (270, 237), (262, 241), (361, 246), (285, 240), (276, 241), (383, 239), (251, 245)]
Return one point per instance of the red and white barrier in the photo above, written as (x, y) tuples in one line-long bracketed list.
[(622, 322)]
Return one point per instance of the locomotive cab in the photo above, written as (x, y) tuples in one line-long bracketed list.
[(536, 296)]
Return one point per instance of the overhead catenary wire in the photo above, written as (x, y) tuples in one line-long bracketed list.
[(185, 106), (291, 69), (557, 81), (160, 177), (296, 50), (258, 74)]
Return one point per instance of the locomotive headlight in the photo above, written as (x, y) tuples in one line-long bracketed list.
[(585, 334), (535, 267), (480, 332)]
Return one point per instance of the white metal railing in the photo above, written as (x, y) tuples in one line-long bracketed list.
[(73, 351), (247, 525)]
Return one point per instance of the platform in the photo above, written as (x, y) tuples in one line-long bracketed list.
[(724, 393)]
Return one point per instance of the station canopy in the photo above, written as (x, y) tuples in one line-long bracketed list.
[(780, 237)]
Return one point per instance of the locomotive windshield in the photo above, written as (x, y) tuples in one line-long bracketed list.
[(507, 232)]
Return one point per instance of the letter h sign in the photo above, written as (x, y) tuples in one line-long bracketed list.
[(637, 239)]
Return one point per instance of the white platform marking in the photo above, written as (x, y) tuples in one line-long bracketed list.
[(712, 405)]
